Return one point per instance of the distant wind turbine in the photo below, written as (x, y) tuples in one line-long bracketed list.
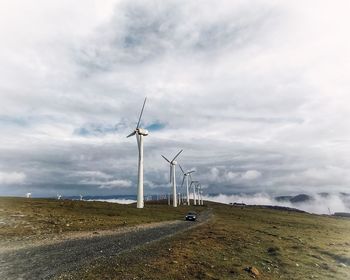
[(140, 133), (200, 197), (202, 202), (187, 175), (194, 183), (172, 176)]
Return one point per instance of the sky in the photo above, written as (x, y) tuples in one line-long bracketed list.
[(256, 93)]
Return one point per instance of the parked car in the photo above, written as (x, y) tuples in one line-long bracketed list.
[(191, 216)]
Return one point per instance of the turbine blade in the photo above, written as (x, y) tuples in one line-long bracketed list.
[(191, 177), (171, 173), (143, 106), (181, 169), (165, 158), (177, 155), (131, 134), (191, 171)]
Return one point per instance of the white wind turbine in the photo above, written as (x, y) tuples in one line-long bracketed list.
[(172, 176), (187, 175), (201, 193), (196, 192), (199, 190), (140, 133), (194, 183)]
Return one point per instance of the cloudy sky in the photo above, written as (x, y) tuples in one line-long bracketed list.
[(255, 92)]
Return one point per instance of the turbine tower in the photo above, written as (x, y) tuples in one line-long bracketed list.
[(200, 198), (172, 176), (140, 133), (187, 175), (201, 195), (194, 183)]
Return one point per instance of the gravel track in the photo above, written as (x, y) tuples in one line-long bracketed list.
[(48, 261)]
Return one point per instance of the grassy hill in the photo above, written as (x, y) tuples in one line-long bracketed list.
[(278, 244), (32, 218), (237, 243)]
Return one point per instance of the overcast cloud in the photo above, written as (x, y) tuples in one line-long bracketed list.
[(255, 92)]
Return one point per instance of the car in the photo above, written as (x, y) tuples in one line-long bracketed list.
[(191, 216)]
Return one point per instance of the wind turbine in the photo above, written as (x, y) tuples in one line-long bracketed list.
[(172, 176), (194, 183), (186, 176), (140, 133), (199, 190), (201, 193)]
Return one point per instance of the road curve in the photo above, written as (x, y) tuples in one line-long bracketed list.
[(45, 262)]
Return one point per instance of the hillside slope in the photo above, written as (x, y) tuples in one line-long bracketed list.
[(278, 244)]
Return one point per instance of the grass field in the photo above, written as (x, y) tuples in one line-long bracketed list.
[(23, 218), (278, 244)]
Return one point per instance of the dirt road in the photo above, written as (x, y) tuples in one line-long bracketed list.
[(48, 261)]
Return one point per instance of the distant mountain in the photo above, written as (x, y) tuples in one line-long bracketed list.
[(294, 199), (301, 198), (345, 194), (324, 194), (284, 198)]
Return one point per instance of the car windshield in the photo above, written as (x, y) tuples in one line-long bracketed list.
[(191, 213)]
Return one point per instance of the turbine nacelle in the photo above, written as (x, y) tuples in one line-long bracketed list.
[(141, 131), (186, 173), (138, 130)]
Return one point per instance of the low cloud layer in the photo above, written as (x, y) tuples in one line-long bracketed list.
[(255, 92), (119, 201), (116, 184), (318, 204)]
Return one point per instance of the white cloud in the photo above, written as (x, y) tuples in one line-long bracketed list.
[(318, 205), (214, 174), (116, 184), (119, 201), (251, 175), (223, 175), (250, 89), (10, 178), (93, 174)]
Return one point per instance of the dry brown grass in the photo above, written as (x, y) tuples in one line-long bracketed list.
[(280, 244), (21, 218)]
